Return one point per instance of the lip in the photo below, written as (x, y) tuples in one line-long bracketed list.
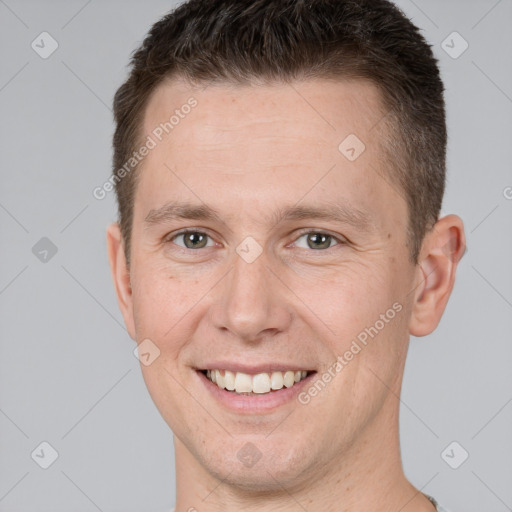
[(255, 404)]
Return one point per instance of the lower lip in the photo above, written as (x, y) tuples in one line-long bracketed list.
[(254, 404)]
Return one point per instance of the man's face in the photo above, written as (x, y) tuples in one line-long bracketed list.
[(260, 291)]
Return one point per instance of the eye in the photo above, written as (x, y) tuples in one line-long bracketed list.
[(191, 239), (318, 240), (194, 239)]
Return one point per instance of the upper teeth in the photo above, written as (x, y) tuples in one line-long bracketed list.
[(259, 383)]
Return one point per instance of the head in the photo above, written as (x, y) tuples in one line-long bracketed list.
[(306, 158)]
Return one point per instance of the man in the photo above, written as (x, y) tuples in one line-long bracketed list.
[(279, 167)]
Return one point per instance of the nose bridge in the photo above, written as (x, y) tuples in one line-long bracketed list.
[(251, 301)]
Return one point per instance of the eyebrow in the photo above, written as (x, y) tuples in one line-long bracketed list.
[(178, 210)]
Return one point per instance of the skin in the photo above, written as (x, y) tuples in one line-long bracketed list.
[(247, 151)]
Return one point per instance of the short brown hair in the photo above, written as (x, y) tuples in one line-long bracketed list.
[(240, 41)]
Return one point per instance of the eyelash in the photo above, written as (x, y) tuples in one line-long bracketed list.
[(169, 239)]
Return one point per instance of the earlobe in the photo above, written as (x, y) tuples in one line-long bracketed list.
[(120, 276), (442, 249)]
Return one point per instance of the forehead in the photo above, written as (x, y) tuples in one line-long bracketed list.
[(264, 144), (228, 112)]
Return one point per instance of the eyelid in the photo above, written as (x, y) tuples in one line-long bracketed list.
[(321, 231)]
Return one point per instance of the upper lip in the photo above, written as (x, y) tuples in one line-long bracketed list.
[(254, 369)]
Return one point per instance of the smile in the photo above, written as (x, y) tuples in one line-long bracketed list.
[(260, 383)]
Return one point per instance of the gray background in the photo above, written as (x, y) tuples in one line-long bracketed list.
[(67, 372)]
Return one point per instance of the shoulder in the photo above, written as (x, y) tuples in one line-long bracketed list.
[(439, 508)]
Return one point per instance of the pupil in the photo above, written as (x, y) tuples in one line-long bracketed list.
[(194, 240), (318, 237)]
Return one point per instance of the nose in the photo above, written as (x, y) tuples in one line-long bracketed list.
[(253, 303)]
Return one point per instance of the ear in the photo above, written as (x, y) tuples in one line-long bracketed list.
[(121, 276), (443, 247)]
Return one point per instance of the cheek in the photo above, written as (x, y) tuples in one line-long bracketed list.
[(363, 305), (349, 297), (159, 301)]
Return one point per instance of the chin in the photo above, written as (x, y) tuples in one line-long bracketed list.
[(260, 466)]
